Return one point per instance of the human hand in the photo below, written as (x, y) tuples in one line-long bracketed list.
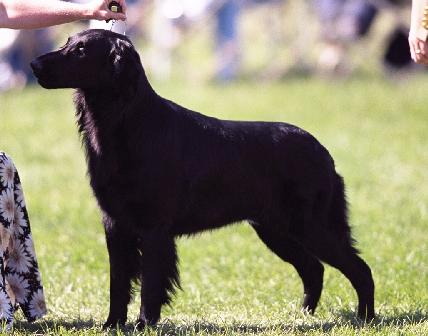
[(418, 50), (99, 10)]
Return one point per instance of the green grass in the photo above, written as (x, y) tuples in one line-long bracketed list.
[(376, 130)]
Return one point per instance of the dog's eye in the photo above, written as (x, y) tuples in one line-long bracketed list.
[(80, 49)]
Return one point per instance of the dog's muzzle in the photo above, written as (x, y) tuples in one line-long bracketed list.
[(36, 67), (42, 74)]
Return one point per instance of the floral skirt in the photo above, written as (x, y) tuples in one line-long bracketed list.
[(20, 282)]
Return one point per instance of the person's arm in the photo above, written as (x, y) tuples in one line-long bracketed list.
[(418, 32), (27, 14)]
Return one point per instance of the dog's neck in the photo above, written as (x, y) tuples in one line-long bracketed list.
[(117, 95), (109, 104), (106, 108)]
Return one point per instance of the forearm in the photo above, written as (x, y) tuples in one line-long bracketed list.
[(26, 14)]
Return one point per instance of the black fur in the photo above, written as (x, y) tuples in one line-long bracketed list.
[(159, 170)]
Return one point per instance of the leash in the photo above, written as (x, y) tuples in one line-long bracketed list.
[(115, 7)]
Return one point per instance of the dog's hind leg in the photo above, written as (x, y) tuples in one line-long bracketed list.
[(124, 265), (307, 266), (332, 243), (342, 255), (159, 275)]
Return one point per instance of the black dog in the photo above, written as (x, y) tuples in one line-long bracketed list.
[(159, 170)]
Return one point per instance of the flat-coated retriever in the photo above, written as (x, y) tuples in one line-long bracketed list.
[(159, 171)]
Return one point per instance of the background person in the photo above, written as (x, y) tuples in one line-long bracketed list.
[(418, 33)]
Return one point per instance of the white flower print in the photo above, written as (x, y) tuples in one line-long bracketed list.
[(37, 304), (7, 173), (20, 281), (18, 259), (29, 246), (19, 195), (37, 276), (5, 306), (18, 286), (19, 221), (7, 205)]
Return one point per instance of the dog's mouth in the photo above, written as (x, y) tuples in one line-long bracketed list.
[(44, 83), (38, 72), (36, 67), (43, 78)]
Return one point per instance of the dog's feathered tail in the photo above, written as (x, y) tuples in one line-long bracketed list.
[(338, 218)]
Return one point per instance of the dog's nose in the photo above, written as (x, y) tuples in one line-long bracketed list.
[(35, 66)]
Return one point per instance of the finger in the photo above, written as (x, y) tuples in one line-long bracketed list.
[(424, 47), (412, 50), (423, 62), (117, 16), (418, 48), (421, 59), (123, 4), (417, 54)]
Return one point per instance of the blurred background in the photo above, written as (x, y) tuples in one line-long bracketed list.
[(227, 40)]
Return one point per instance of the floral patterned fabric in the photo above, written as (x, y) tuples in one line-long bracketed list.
[(20, 283)]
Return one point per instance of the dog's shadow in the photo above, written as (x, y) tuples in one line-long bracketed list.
[(170, 328)]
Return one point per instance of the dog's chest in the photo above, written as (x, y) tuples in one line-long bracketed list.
[(91, 133), (87, 124), (110, 184)]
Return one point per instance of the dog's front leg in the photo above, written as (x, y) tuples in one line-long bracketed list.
[(124, 263), (159, 275)]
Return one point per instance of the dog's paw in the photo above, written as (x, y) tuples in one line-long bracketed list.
[(113, 323), (141, 324)]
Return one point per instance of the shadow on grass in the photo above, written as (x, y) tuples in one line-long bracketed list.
[(346, 319), (52, 326)]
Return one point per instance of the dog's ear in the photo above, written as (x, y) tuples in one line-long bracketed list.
[(125, 61)]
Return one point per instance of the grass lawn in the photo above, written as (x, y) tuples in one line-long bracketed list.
[(376, 130)]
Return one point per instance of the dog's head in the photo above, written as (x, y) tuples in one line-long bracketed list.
[(93, 59)]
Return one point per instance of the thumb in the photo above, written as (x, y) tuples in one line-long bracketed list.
[(116, 16)]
